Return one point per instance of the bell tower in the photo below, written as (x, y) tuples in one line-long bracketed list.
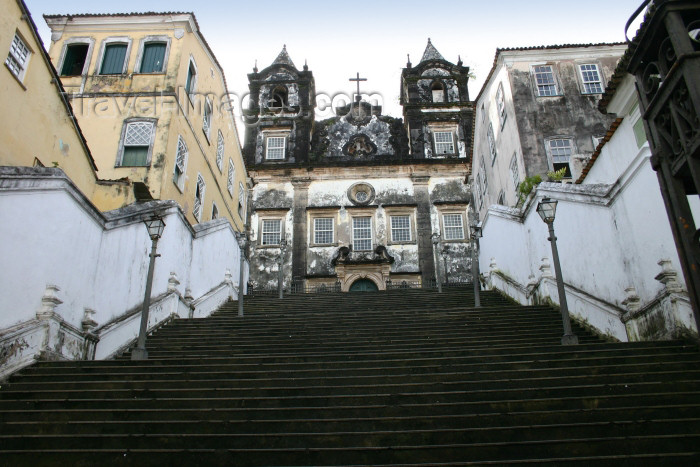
[(280, 115), (436, 107)]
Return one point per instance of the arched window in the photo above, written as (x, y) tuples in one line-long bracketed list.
[(279, 98), (438, 91)]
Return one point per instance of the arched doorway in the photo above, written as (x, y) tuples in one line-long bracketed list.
[(363, 285)]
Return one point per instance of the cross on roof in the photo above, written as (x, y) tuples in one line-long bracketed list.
[(358, 79)]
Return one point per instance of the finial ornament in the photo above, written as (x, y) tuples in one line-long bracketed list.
[(255, 67)]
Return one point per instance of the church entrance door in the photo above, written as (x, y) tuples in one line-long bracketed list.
[(363, 285)]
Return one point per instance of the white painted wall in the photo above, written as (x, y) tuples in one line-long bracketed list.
[(51, 234)]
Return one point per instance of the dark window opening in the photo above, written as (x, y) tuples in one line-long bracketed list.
[(279, 98), (74, 62)]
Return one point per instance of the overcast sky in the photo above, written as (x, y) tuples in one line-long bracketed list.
[(339, 39)]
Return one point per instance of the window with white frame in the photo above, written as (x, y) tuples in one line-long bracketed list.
[(590, 78), (241, 200), (492, 143), (275, 147), (400, 228), (362, 233), (514, 175), (220, 152), (18, 57), (453, 227), (501, 104), (180, 163), (323, 230), (75, 57), (153, 54), (206, 118), (478, 196), (230, 176), (444, 142), (191, 82), (544, 80), (560, 151), (199, 197), (271, 231), (136, 144), (114, 58), (484, 179)]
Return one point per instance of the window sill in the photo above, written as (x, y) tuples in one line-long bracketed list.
[(323, 245), (412, 242), (149, 73), (181, 190), (267, 247)]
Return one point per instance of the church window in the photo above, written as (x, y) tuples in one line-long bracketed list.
[(515, 176), (152, 54), (444, 142), (362, 233), (485, 181), (136, 144), (590, 78), (74, 59), (199, 197), (501, 104), (560, 151), (180, 164), (400, 228), (206, 118), (438, 92), (220, 152), (275, 147), (453, 226), (323, 230), (544, 80), (271, 231), (229, 178), (279, 98), (492, 143), (191, 82), (114, 59), (18, 58)]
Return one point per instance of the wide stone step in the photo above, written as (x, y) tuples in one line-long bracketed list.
[(180, 421), (528, 369), (637, 446)]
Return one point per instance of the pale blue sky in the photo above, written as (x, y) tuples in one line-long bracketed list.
[(373, 37)]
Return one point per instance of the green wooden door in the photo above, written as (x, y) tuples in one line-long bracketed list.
[(363, 285)]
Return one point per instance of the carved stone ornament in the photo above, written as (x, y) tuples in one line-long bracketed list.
[(361, 194), (359, 145)]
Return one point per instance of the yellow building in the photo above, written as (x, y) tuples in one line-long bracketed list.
[(152, 101), (38, 128)]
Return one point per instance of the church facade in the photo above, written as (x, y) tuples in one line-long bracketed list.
[(360, 200)]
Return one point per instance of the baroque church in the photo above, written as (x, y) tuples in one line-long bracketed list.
[(359, 201)]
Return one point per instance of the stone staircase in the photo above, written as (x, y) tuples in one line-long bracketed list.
[(403, 377)]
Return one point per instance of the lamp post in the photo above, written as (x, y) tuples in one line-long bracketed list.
[(241, 237), (436, 239), (155, 226), (475, 236), (445, 253), (280, 268), (547, 209)]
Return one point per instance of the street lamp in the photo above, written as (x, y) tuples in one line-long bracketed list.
[(280, 269), (436, 240), (445, 253), (476, 233), (155, 226), (547, 209), (241, 238)]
